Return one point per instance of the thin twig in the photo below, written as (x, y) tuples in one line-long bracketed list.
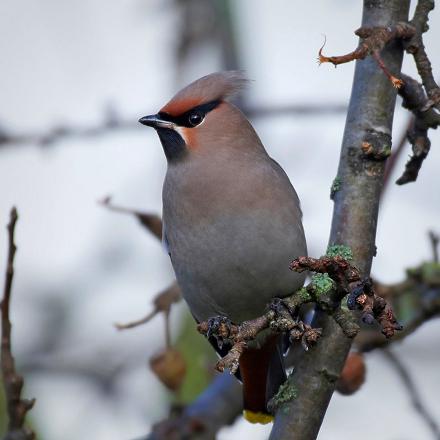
[(12, 381), (373, 40), (414, 394), (53, 136), (162, 304), (150, 221), (434, 240)]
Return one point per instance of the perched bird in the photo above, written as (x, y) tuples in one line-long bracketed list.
[(232, 221)]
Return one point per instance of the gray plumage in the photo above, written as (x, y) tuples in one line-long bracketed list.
[(232, 222), (232, 218)]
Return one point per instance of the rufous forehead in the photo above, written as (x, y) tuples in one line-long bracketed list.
[(178, 107)]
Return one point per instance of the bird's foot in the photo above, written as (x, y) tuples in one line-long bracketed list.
[(222, 329)]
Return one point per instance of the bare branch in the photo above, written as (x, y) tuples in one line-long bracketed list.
[(434, 239), (151, 221), (415, 100), (373, 40), (415, 396), (416, 47), (12, 381), (370, 115), (162, 304), (57, 134)]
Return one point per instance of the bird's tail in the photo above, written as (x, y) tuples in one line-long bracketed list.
[(262, 372)]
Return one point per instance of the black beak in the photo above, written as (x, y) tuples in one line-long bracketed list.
[(155, 121)]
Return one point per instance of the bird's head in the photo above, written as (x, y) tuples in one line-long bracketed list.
[(199, 118)]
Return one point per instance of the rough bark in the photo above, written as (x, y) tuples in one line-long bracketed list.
[(369, 119)]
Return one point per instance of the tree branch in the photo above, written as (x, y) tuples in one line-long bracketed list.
[(12, 381), (416, 47), (373, 40), (415, 100), (370, 117)]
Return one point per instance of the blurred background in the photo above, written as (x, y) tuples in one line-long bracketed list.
[(74, 79)]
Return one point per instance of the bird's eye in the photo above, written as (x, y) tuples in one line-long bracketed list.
[(195, 118)]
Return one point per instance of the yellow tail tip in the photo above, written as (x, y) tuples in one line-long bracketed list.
[(257, 417)]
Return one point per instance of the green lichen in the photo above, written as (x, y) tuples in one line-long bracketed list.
[(431, 273), (336, 186), (428, 273), (339, 250), (304, 295), (322, 283), (286, 393), (386, 151)]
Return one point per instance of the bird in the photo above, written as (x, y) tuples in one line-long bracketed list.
[(232, 222)]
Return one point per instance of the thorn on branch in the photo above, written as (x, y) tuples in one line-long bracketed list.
[(152, 222), (373, 40), (12, 381)]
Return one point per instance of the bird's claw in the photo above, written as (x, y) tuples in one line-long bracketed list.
[(219, 327)]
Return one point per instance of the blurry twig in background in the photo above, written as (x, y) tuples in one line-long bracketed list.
[(162, 304), (434, 238), (12, 381), (151, 222), (65, 132), (413, 392)]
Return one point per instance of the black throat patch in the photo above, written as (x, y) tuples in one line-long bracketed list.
[(172, 143)]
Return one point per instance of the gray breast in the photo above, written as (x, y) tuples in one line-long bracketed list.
[(231, 239)]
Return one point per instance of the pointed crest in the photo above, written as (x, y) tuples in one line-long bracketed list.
[(213, 87)]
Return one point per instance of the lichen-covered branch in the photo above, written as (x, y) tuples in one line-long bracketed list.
[(12, 381), (370, 115), (335, 278)]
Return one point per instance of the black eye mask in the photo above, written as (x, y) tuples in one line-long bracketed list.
[(193, 117)]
